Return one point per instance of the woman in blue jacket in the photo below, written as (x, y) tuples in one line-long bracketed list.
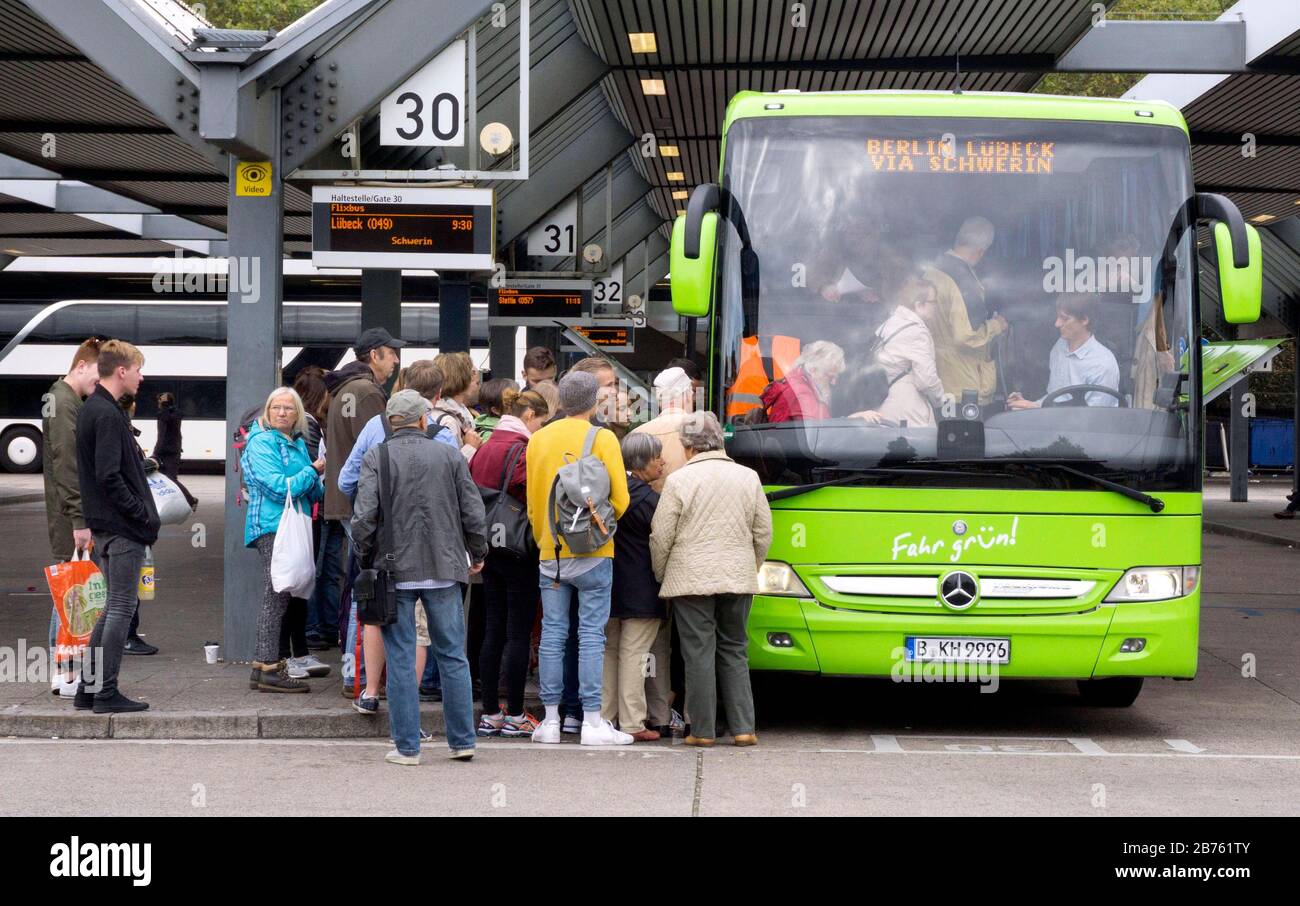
[(276, 462)]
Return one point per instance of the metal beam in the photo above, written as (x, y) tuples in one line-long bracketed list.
[(349, 79), (633, 229), (136, 56), (556, 178), (628, 188), (1121, 46)]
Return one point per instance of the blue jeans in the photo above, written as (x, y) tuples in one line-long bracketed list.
[(323, 605), (593, 589), (446, 615)]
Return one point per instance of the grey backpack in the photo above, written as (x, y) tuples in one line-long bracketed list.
[(581, 515)]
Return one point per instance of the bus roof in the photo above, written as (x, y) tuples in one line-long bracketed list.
[(990, 104)]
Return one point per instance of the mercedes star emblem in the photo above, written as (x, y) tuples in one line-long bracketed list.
[(958, 590)]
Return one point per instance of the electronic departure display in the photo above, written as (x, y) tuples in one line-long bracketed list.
[(451, 229), (616, 337), (540, 303)]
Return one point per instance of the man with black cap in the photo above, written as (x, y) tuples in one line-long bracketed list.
[(356, 396)]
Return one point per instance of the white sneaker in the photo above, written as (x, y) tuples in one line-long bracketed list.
[(295, 668), (547, 731), (572, 725), (604, 735), (313, 665), (396, 757), (63, 689)]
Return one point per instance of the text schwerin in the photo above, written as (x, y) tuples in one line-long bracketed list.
[(1086, 274), (908, 546), (103, 860), (981, 672), (209, 275)]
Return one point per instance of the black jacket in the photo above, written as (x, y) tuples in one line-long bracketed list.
[(635, 593), (115, 495), (169, 433)]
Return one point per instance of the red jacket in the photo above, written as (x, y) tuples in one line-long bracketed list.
[(794, 399), (488, 466)]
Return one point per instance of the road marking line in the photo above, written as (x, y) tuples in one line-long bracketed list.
[(1086, 746), (887, 745), (1182, 745)]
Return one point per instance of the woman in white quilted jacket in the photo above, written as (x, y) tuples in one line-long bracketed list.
[(710, 533)]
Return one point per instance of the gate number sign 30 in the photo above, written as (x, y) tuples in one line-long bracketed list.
[(428, 109), (443, 104)]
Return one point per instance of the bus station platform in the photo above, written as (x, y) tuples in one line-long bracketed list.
[(188, 698)]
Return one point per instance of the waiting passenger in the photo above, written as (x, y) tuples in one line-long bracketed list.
[(906, 353), (805, 393), (964, 328), (1078, 357), (460, 386), (276, 464), (710, 533)]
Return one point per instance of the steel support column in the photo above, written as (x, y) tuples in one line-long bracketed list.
[(256, 227), (453, 313), (1239, 441), (501, 352), (381, 300)]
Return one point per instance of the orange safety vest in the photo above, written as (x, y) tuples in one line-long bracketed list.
[(746, 392)]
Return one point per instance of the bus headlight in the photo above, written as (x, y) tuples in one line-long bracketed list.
[(776, 578), (1155, 583)]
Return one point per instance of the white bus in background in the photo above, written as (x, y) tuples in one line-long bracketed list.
[(183, 342)]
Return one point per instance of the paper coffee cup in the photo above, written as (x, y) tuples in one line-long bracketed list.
[(211, 651)]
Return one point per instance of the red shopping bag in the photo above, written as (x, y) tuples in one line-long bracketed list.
[(80, 593)]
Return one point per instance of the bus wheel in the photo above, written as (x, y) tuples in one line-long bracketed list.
[(1117, 692), (20, 449)]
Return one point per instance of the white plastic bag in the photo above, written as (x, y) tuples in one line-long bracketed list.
[(293, 562), (171, 504)]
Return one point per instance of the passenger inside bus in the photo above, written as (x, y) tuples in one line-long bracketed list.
[(1078, 358), (965, 327)]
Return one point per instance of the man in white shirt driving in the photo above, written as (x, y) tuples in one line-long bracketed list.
[(1077, 358)]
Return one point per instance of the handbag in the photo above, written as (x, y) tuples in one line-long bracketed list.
[(293, 558), (375, 588), (80, 593), (168, 500), (507, 518)]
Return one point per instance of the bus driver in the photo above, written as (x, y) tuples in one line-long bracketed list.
[(1077, 357)]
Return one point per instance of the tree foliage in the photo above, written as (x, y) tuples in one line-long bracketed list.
[(257, 14)]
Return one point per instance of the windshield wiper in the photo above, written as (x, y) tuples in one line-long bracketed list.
[(858, 475), (1155, 503)]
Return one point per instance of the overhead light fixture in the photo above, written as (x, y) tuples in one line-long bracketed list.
[(13, 251), (653, 86), (643, 42), (676, 176), (1263, 218), (682, 195), (681, 212), (669, 151)]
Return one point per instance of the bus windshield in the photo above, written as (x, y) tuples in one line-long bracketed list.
[(960, 302)]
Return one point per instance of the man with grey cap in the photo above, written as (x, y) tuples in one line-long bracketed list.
[(563, 572), (439, 540)]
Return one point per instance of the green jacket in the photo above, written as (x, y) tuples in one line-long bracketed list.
[(59, 460)]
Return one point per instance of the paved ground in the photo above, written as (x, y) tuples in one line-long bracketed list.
[(1224, 744)]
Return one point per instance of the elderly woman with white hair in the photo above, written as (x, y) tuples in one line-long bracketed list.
[(805, 393), (276, 465), (710, 533)]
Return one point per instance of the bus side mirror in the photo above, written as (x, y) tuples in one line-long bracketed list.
[(1240, 288), (1237, 253), (691, 265)]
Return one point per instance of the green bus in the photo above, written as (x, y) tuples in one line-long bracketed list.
[(1017, 487)]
